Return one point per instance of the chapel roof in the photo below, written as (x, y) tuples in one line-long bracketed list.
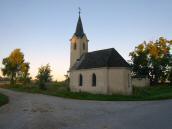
[(101, 58)]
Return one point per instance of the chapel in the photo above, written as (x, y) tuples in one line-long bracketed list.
[(99, 72)]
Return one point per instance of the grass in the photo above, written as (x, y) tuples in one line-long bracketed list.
[(149, 93), (3, 99)]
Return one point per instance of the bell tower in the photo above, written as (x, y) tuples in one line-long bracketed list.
[(78, 43)]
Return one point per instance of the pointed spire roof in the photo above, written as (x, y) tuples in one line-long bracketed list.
[(79, 28)]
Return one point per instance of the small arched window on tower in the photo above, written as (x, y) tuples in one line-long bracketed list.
[(83, 46), (80, 80), (93, 79), (74, 46)]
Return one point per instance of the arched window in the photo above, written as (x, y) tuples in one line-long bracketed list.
[(80, 80), (83, 46), (93, 80), (74, 46)]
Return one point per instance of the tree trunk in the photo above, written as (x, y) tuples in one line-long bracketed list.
[(12, 80)]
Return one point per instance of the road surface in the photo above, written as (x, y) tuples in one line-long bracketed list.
[(36, 111)]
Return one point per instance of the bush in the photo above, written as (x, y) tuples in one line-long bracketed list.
[(3, 99), (44, 76)]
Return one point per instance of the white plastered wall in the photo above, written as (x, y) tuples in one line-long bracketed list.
[(140, 82), (120, 81), (109, 81), (101, 81)]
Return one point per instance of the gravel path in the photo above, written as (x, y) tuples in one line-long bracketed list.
[(36, 111)]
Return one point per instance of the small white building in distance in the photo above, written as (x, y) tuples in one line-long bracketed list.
[(99, 72)]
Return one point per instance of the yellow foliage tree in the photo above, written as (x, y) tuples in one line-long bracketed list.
[(13, 65), (153, 57)]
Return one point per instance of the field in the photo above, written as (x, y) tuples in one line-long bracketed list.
[(59, 89)]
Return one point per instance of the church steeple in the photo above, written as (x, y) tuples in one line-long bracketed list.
[(79, 43), (79, 28)]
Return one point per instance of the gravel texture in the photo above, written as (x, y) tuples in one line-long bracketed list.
[(36, 111)]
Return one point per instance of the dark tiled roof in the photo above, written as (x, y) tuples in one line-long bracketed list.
[(79, 29), (102, 58)]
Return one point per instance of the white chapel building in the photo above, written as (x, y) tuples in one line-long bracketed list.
[(99, 72)]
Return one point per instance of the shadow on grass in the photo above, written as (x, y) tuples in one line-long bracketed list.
[(3, 99)]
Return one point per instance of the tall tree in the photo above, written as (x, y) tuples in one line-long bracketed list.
[(13, 65), (152, 59), (170, 71), (140, 61)]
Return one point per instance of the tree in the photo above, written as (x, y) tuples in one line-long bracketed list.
[(44, 76), (140, 61), (170, 76), (24, 73), (12, 65), (152, 59), (170, 71)]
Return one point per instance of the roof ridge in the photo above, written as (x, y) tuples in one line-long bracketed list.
[(101, 50)]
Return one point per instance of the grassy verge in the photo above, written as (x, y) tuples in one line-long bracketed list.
[(148, 93), (3, 99)]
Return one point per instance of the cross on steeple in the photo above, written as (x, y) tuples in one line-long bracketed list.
[(79, 28), (79, 10)]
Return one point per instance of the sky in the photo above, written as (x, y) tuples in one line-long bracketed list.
[(42, 28)]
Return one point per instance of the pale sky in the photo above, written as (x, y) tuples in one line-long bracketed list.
[(42, 28)]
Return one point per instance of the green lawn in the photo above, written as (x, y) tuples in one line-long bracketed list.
[(149, 93), (3, 99)]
